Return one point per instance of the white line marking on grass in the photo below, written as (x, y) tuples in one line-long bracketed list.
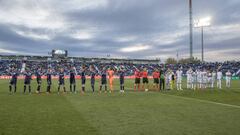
[(200, 100), (204, 101)]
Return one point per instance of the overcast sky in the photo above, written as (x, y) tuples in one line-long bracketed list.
[(121, 28)]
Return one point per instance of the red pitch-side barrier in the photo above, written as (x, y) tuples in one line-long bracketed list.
[(66, 77)]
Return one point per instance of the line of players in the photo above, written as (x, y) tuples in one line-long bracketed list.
[(72, 79), (207, 79), (198, 79), (202, 79), (195, 79)]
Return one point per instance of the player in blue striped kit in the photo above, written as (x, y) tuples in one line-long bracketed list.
[(72, 79), (103, 80), (93, 74), (13, 81), (121, 78), (27, 81), (49, 80), (39, 79), (83, 78), (61, 82)]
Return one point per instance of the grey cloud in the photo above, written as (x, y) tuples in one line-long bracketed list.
[(143, 19)]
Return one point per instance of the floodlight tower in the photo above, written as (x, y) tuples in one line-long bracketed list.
[(201, 23), (190, 29)]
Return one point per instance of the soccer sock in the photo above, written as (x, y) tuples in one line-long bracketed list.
[(48, 88), (70, 87), (74, 87), (10, 88), (83, 89), (58, 88), (64, 88), (15, 89), (100, 87), (93, 87), (122, 87), (38, 88), (29, 89), (105, 87), (24, 89)]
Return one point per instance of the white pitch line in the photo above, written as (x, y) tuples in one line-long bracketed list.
[(204, 101)]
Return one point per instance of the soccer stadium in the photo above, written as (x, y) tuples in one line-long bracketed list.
[(118, 67)]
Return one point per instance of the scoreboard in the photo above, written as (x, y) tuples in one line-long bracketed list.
[(59, 53)]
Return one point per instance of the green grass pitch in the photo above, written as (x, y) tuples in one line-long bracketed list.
[(207, 112)]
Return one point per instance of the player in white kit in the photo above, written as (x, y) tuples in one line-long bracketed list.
[(168, 79), (209, 79), (189, 78), (204, 79), (228, 79), (199, 79), (179, 79), (194, 80), (214, 74), (219, 79)]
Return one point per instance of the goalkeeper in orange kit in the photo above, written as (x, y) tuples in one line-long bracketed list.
[(111, 78)]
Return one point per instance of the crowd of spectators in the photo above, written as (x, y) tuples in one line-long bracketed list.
[(34, 65)]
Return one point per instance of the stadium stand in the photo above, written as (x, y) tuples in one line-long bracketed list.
[(44, 62)]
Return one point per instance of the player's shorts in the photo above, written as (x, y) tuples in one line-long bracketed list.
[(213, 79), (111, 80), (199, 80), (83, 80), (209, 79), (92, 81), (39, 81), (179, 80), (145, 80), (204, 80), (49, 82), (228, 78), (137, 80), (104, 81), (13, 82), (121, 81), (72, 81), (61, 82), (27, 82), (156, 80)]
